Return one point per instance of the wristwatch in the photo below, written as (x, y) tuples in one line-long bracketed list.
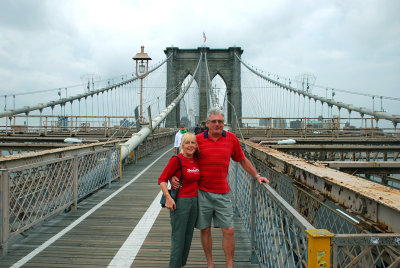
[(258, 175)]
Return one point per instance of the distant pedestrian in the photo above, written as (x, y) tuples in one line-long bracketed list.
[(197, 129), (178, 138), (203, 127)]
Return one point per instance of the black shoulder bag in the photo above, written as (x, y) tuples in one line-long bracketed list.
[(173, 192)]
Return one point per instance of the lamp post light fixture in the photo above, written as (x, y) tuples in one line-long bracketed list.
[(142, 70)]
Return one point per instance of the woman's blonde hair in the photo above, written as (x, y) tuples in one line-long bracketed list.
[(186, 137)]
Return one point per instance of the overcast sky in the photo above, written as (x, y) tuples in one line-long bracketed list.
[(352, 45)]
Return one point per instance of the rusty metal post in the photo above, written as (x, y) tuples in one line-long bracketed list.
[(15, 119), (4, 210), (105, 126), (71, 125), (45, 128), (305, 127), (6, 118)]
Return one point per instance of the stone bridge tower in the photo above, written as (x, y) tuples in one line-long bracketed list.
[(221, 62)]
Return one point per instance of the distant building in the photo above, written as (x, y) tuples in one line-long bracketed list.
[(323, 124), (279, 123), (263, 122), (296, 124), (62, 122)]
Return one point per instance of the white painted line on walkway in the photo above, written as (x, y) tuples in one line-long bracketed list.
[(127, 253), (43, 246)]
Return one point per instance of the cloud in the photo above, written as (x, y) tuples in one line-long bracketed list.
[(353, 45)]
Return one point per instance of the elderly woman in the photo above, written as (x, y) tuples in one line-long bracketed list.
[(183, 213)]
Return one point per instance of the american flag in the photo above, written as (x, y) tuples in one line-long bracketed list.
[(204, 37)]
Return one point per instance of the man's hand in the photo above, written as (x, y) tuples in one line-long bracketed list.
[(174, 182), (261, 179)]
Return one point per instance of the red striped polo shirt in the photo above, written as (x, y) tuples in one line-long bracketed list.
[(214, 158)]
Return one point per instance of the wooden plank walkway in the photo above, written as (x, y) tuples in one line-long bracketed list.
[(96, 239)]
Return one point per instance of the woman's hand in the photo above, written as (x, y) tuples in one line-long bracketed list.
[(170, 203)]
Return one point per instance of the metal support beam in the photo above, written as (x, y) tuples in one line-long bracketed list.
[(371, 202)]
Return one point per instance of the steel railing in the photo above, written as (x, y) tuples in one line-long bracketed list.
[(350, 244), (277, 231), (304, 127), (37, 186)]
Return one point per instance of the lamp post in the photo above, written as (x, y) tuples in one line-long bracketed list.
[(142, 70)]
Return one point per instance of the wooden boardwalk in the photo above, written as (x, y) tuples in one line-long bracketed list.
[(102, 224)]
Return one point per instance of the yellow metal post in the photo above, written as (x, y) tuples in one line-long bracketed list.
[(319, 248)]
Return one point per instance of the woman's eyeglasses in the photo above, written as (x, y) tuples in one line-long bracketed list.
[(215, 121)]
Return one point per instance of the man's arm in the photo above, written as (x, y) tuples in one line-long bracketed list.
[(249, 168)]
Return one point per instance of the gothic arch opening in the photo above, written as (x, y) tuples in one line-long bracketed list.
[(190, 103), (219, 85)]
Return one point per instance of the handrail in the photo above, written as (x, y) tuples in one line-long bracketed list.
[(36, 186), (277, 231), (281, 237)]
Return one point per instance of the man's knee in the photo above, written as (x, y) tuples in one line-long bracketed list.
[(228, 231), (205, 231)]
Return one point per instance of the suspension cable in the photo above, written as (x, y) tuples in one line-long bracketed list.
[(62, 101), (330, 102)]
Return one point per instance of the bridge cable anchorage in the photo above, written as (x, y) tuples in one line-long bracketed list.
[(63, 101), (330, 102), (137, 138)]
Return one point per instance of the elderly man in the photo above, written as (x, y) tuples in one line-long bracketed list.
[(216, 148)]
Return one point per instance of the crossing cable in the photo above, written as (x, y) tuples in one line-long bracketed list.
[(330, 102), (62, 101)]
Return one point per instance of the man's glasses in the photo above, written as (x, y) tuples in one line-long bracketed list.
[(215, 121)]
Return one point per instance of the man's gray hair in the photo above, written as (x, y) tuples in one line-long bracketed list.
[(214, 111)]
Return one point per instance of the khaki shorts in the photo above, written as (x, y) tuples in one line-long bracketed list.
[(217, 207)]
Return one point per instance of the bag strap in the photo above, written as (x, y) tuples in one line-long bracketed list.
[(180, 163)]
